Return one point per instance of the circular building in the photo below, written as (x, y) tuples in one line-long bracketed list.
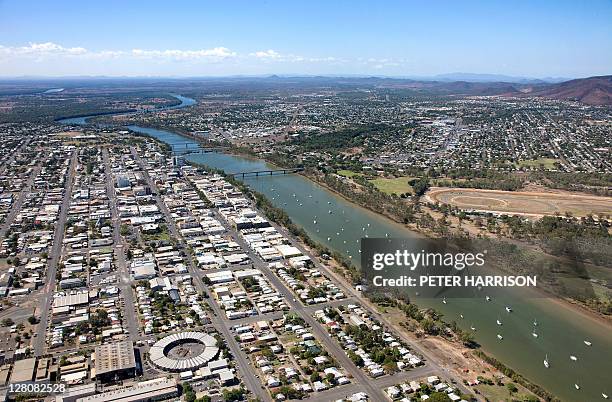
[(183, 351)]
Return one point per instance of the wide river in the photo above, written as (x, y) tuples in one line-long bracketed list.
[(561, 330)]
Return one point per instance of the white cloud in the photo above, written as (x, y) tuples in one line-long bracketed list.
[(273, 55), (214, 53), (107, 54), (46, 50), (266, 54), (41, 49), (53, 58)]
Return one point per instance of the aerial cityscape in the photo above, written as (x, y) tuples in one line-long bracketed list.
[(189, 214)]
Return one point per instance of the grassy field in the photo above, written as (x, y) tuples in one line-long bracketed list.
[(546, 163), (163, 236), (349, 173), (602, 275), (500, 393), (398, 185), (495, 393)]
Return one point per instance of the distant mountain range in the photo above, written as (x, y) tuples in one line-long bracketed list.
[(454, 87), (592, 90), (471, 77)]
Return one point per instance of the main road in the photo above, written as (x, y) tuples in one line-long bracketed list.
[(130, 315), (53, 259)]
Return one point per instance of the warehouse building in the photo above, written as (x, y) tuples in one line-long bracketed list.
[(152, 390), (115, 361)]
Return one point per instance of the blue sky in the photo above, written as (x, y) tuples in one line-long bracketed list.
[(394, 38)]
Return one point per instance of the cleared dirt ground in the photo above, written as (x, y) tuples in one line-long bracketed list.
[(522, 203)]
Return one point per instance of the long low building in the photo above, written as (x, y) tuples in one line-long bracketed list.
[(152, 390), (158, 354), (71, 300)]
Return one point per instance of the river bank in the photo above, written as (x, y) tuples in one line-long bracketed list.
[(83, 119), (421, 232), (480, 363), (63, 119)]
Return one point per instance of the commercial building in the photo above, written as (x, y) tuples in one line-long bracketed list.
[(115, 360), (73, 393), (23, 370), (152, 390)]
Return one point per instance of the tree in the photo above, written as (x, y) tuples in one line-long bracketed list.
[(511, 388), (124, 230), (100, 319), (357, 360), (233, 395), (420, 186), (467, 338), (429, 326), (188, 392), (7, 322), (439, 397), (290, 392)]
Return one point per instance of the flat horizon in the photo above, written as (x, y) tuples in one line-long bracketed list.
[(442, 76)]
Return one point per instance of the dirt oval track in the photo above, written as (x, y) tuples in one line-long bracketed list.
[(522, 203)]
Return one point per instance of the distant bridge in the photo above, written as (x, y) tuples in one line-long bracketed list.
[(186, 148), (272, 172), (199, 151)]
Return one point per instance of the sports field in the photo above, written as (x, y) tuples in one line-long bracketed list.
[(398, 185), (522, 203)]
